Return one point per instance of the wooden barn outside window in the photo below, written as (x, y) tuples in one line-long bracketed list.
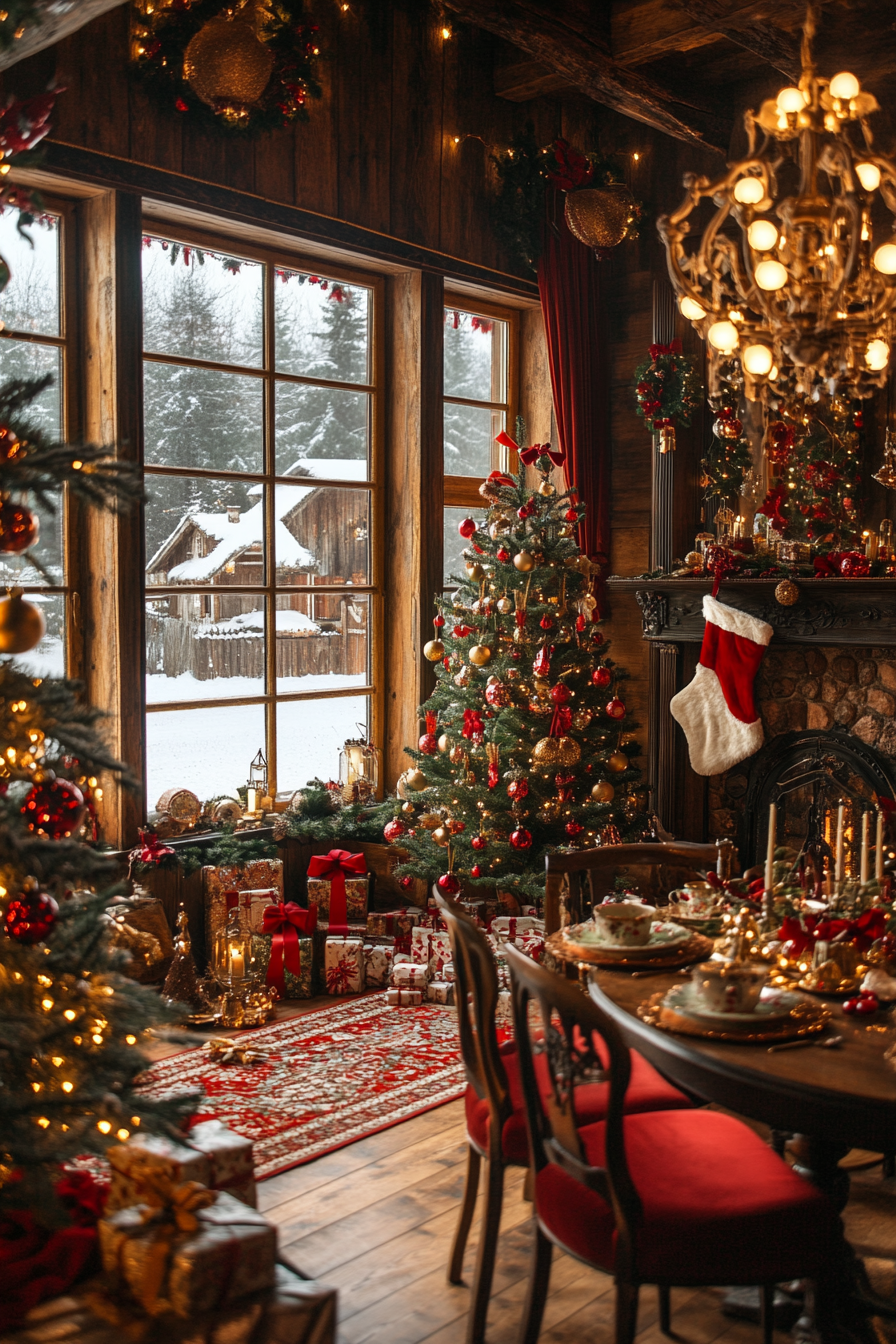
[(38, 312), (480, 399), (262, 443)]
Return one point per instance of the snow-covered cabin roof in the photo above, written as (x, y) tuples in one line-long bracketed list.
[(232, 539)]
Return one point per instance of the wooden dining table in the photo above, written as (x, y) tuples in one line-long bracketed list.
[(829, 1100)]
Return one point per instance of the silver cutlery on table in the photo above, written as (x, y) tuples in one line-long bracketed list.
[(829, 1043)]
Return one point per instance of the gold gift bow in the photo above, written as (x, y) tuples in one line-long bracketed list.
[(172, 1209)]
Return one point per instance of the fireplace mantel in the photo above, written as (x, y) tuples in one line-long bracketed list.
[(828, 611)]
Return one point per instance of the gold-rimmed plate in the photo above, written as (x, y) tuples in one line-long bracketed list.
[(805, 1019), (696, 948)]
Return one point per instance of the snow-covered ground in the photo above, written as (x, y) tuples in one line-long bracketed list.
[(161, 690)]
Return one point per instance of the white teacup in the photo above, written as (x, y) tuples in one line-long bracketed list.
[(699, 897), (729, 986), (625, 923)]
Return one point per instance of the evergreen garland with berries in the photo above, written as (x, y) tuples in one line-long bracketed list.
[(527, 745), (667, 387)]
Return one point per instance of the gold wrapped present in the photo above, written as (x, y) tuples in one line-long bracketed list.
[(356, 891), (296, 969), (229, 886), (210, 1153), (187, 1251)]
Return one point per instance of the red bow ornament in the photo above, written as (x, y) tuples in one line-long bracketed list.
[(673, 348), (285, 921), (334, 866), (532, 454)]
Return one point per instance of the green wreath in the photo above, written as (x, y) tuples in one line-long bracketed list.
[(162, 35), (667, 387)]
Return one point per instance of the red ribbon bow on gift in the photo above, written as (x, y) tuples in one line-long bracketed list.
[(532, 454), (286, 921), (335, 865), (150, 849), (673, 348)]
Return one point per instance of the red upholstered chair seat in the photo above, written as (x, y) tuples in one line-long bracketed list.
[(719, 1206), (647, 1091)]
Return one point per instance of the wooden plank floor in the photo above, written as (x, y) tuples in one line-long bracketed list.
[(376, 1219)]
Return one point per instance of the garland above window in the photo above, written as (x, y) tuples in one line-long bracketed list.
[(248, 65)]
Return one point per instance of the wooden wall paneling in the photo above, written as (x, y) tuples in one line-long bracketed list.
[(315, 164), (112, 560), (414, 501), (364, 103), (536, 405), (418, 133), (93, 68), (156, 135)]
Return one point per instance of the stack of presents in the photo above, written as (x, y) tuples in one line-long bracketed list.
[(338, 945), (186, 1256)]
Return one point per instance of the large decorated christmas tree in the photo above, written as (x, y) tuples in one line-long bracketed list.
[(527, 745)]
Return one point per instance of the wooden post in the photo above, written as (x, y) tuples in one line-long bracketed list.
[(112, 548), (414, 503)]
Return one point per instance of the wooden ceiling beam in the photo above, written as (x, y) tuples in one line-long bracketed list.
[(58, 19), (524, 80), (646, 30), (539, 30), (780, 49)]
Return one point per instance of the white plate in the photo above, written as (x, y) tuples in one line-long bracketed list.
[(664, 935), (774, 1006)]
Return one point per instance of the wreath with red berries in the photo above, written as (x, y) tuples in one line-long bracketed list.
[(162, 33), (667, 387)]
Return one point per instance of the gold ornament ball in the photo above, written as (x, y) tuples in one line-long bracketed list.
[(787, 593), (22, 625), (415, 779), (456, 755), (475, 570), (581, 719), (442, 836), (524, 562), (546, 751), (603, 792), (434, 650), (569, 752), (599, 216), (618, 762), (227, 66), (545, 488), (505, 606), (444, 742), (480, 654)]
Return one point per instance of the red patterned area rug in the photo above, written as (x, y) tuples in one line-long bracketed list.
[(330, 1077)]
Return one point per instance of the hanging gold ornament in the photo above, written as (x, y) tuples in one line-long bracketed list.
[(22, 625), (444, 742), (415, 780), (504, 605), (581, 719), (569, 751), (545, 488), (434, 650), (618, 762), (227, 65), (475, 570), (603, 792), (546, 751), (787, 593), (408, 808), (524, 562), (442, 836), (480, 654), (667, 439), (600, 216)]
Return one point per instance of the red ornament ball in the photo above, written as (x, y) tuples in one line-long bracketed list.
[(31, 917), (55, 808), (503, 555), (467, 527), (573, 828), (438, 621), (518, 788), (597, 637), (497, 694), (571, 515), (521, 839), (449, 884), (615, 708), (478, 842), (428, 744), (561, 694), (475, 871), (19, 528), (581, 622), (405, 883), (393, 830), (601, 676)]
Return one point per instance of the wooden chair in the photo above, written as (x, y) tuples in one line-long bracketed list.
[(684, 1198), (570, 908), (495, 1116)]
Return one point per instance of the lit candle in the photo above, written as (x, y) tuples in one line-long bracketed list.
[(863, 861), (770, 854), (838, 848), (251, 799), (879, 848), (237, 963)]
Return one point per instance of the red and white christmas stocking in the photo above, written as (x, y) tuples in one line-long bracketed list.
[(716, 710)]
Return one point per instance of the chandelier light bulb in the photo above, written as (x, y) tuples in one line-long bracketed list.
[(748, 190), (762, 235), (757, 359), (771, 275), (773, 373), (723, 337), (869, 175), (690, 308), (884, 259), (877, 355), (791, 100), (844, 86)]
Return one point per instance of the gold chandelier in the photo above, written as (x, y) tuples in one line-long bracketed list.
[(801, 293)]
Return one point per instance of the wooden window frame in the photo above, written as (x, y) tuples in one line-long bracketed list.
[(463, 491), (291, 258)]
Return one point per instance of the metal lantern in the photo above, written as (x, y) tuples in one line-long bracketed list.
[(258, 783), (233, 961), (358, 770), (599, 216), (227, 65)]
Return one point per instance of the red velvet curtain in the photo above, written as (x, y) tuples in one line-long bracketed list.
[(569, 284)]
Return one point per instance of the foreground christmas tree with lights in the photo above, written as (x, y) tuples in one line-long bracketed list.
[(71, 1021), (527, 746)]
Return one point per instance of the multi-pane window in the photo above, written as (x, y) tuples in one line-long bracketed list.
[(260, 415), (33, 345), (479, 397)]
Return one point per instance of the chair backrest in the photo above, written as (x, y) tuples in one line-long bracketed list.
[(476, 997), (569, 907), (564, 1024)]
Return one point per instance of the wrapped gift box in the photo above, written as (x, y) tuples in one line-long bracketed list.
[(439, 991), (344, 965), (377, 965), (221, 887), (328, 874), (210, 1153), (393, 923), (410, 975), (393, 996), (404, 998), (510, 928), (430, 948), (294, 986), (356, 892), (232, 1253), (319, 938), (448, 972)]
